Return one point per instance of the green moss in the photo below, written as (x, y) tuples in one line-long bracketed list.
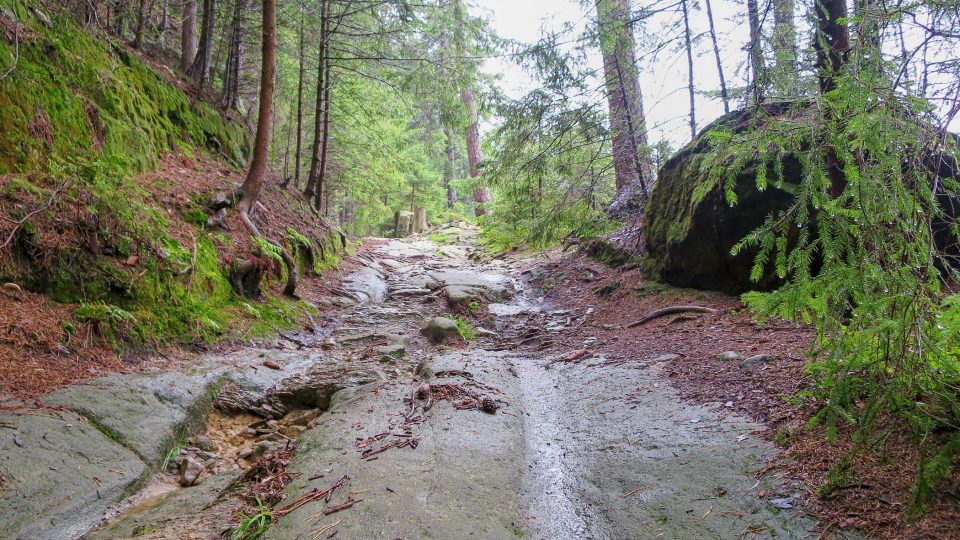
[(99, 100), (83, 108)]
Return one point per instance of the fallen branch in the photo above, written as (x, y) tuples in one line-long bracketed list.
[(673, 310), (18, 224), (343, 506)]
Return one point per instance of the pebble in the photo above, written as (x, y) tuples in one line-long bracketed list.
[(190, 471), (756, 360)]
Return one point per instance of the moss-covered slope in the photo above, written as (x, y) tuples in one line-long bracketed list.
[(75, 96), (113, 165)]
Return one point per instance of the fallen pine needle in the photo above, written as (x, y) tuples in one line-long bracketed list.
[(317, 533), (708, 513), (634, 492)]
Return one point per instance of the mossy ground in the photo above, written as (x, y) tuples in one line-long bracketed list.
[(128, 161)]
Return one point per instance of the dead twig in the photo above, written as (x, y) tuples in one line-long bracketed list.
[(18, 224), (672, 310), (342, 506)]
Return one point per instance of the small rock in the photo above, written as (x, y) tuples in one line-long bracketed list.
[(439, 329), (220, 201), (785, 503), (132, 260), (263, 447), (190, 471), (729, 355), (202, 442), (756, 360), (323, 302), (396, 350), (245, 452), (272, 365), (483, 332), (329, 343), (276, 437)]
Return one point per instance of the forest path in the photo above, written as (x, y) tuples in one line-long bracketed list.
[(592, 449)]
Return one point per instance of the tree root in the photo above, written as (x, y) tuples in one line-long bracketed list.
[(670, 311), (292, 278)]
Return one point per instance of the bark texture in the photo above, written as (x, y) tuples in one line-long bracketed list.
[(624, 99), (188, 35), (200, 69), (481, 194)]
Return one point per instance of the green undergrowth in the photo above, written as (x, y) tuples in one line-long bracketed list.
[(80, 117)]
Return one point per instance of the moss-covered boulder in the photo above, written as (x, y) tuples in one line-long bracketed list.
[(690, 227)]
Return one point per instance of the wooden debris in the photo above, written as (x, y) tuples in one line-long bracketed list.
[(342, 506), (576, 355), (672, 310)]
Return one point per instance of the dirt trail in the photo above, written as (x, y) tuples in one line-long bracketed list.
[(566, 454)]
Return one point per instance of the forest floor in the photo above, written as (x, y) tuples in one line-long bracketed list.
[(543, 414)]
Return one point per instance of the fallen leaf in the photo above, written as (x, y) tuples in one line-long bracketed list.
[(132, 260), (272, 365)]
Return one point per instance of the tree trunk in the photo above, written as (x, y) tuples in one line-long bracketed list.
[(256, 176), (316, 149), (449, 168), (481, 194), (420, 220), (164, 19), (119, 18), (188, 35), (832, 46), (832, 43), (325, 144), (286, 156), (200, 69), (296, 159), (756, 53), (142, 17), (716, 53), (690, 85), (231, 71), (786, 70), (625, 101)]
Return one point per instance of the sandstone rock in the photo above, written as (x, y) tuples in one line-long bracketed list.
[(190, 471), (396, 350), (439, 329), (689, 236), (729, 356), (756, 360)]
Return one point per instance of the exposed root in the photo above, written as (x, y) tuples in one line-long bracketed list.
[(672, 310), (292, 277)]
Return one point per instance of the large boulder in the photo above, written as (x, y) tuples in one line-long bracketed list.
[(690, 227), (688, 239)]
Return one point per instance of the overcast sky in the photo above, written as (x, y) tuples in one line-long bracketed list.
[(664, 81)]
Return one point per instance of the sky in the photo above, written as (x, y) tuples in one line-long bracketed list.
[(663, 80)]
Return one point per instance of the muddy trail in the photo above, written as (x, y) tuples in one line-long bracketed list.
[(382, 421)]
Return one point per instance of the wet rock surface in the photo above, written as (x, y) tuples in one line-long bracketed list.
[(409, 439)]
